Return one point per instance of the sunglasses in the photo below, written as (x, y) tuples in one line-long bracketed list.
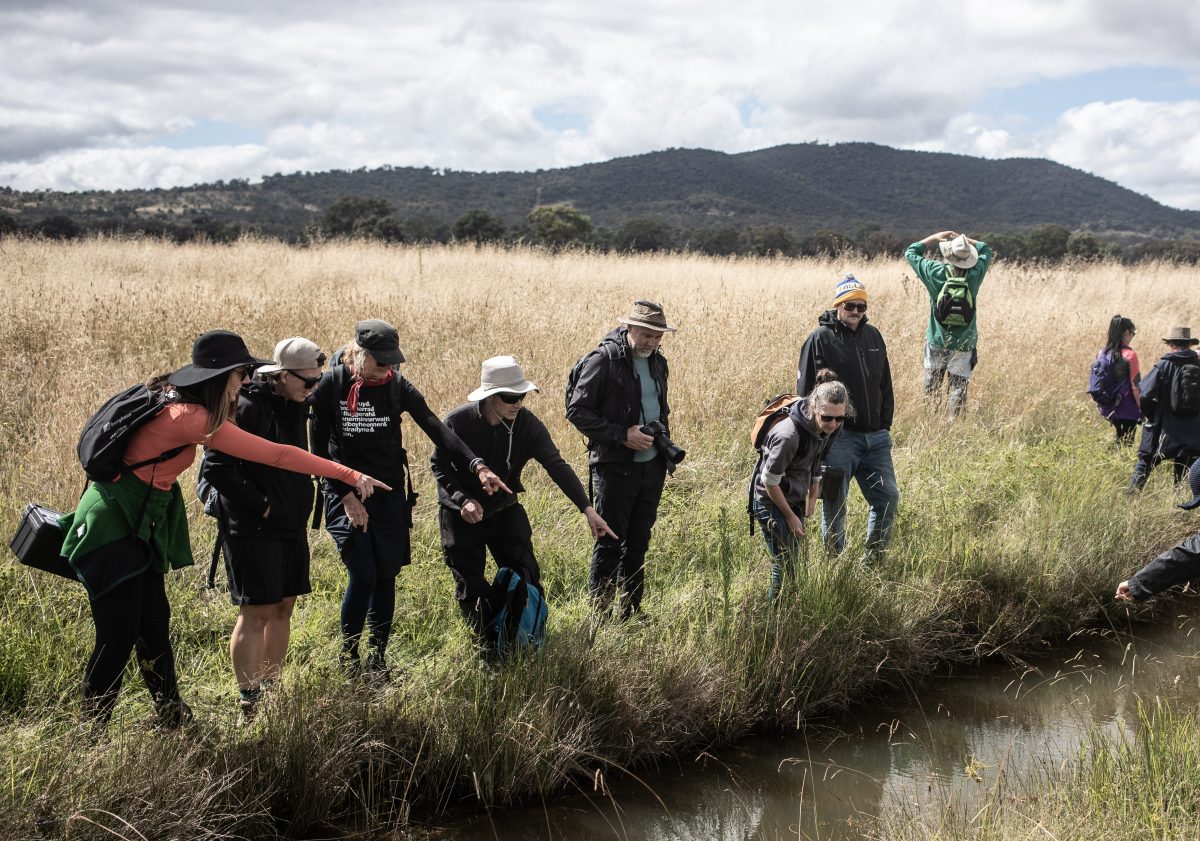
[(855, 306), (511, 399), (833, 418), (245, 372), (309, 382)]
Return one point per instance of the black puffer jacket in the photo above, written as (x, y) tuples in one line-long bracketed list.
[(860, 359), (607, 399), (247, 489)]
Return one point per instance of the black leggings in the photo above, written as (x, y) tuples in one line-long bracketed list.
[(134, 614), (1125, 430)]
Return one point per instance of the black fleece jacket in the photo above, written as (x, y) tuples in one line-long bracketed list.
[(607, 399), (860, 359), (248, 489), (506, 450)]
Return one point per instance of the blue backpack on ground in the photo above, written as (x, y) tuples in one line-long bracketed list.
[(519, 619), (1109, 380)]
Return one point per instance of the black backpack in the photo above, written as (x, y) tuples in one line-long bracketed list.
[(1185, 390), (102, 443), (610, 349)]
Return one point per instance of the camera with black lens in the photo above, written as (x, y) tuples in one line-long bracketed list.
[(662, 443)]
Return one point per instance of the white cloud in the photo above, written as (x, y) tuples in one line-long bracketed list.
[(92, 92)]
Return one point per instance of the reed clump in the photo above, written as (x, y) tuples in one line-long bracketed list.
[(1013, 529)]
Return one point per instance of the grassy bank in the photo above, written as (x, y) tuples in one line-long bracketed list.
[(1012, 528)]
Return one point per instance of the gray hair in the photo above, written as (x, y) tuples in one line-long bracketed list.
[(828, 392)]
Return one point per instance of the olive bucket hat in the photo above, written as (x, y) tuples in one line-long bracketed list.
[(648, 314)]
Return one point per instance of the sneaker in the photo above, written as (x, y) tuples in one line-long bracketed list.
[(248, 700)]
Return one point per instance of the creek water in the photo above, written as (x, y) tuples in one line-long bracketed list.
[(946, 747)]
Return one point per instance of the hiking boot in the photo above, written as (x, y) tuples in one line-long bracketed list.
[(350, 666), (172, 714), (377, 672)]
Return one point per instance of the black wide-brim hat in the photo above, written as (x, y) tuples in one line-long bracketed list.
[(214, 353)]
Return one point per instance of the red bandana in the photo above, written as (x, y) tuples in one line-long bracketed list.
[(359, 382)]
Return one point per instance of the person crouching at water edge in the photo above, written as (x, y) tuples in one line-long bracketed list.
[(1177, 565), (125, 534), (357, 410), (498, 426), (786, 478), (263, 515)]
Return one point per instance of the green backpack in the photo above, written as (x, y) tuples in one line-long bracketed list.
[(955, 305)]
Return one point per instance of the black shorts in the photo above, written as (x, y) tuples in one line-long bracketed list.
[(266, 570)]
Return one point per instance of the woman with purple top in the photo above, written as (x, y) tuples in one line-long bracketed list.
[(1126, 413)]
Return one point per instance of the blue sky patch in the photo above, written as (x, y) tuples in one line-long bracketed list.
[(747, 109), (213, 133), (559, 119), (1042, 101)]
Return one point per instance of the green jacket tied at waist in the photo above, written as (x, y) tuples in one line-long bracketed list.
[(106, 514)]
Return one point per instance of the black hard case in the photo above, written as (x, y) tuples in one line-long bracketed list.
[(39, 539)]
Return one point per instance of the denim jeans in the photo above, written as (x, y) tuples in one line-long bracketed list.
[(867, 456), (785, 548)]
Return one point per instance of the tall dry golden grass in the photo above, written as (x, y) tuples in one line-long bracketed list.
[(80, 320)]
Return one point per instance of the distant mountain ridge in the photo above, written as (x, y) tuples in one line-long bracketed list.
[(801, 187)]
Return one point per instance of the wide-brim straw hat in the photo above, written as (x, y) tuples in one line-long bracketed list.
[(501, 375), (1181, 334), (214, 353), (648, 314), (959, 253)]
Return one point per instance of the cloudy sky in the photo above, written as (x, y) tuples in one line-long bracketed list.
[(116, 93)]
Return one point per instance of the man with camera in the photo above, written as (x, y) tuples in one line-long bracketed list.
[(617, 397)]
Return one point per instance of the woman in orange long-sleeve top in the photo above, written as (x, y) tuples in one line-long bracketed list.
[(125, 534)]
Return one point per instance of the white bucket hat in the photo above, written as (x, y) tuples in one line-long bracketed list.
[(295, 354), (958, 252), (501, 374)]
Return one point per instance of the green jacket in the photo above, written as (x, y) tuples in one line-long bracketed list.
[(933, 274), (106, 514)]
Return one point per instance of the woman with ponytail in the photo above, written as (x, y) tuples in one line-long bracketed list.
[(1119, 359), (126, 534), (785, 482)]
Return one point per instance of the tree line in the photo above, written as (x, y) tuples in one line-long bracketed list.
[(562, 226)]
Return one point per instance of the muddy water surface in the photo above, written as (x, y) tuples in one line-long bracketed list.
[(962, 735)]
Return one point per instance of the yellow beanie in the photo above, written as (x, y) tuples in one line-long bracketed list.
[(849, 288)]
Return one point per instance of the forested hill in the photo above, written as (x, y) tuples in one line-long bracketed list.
[(803, 188)]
